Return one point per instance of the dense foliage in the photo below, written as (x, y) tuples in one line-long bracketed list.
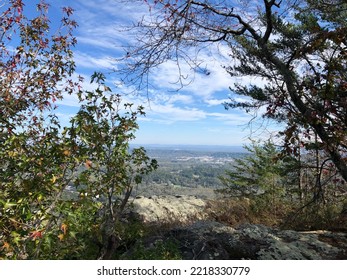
[(261, 174), (39, 218)]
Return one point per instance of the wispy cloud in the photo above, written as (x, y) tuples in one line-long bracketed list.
[(103, 23), (171, 113), (164, 108)]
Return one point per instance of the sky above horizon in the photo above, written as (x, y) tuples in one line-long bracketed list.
[(193, 115)]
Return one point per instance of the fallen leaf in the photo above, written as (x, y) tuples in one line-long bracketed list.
[(67, 153)]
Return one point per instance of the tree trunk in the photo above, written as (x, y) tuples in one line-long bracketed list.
[(110, 245), (330, 147)]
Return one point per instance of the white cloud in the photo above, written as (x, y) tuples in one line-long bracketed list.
[(180, 98), (174, 114), (95, 41), (168, 109), (231, 118), (119, 11), (105, 23), (65, 118), (170, 98), (203, 81), (160, 111)]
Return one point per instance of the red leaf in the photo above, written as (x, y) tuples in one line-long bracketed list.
[(36, 234)]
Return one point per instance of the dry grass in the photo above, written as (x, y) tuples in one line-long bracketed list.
[(237, 211), (229, 211)]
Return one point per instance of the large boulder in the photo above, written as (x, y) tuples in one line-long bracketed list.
[(168, 208)]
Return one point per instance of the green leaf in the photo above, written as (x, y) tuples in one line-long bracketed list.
[(9, 204)]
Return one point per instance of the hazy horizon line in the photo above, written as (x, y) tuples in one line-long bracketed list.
[(214, 147)]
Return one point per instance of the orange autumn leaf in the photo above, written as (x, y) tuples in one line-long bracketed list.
[(88, 164), (64, 228), (6, 246), (66, 153)]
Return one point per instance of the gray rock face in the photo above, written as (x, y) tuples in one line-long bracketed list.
[(212, 240)]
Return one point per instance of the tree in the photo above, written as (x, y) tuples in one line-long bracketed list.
[(101, 132), (39, 215), (35, 68), (263, 175), (297, 48)]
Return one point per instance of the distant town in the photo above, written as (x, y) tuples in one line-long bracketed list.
[(184, 169)]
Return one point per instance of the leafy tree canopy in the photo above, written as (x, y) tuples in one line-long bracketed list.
[(40, 216)]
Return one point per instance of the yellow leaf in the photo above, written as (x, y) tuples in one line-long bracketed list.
[(66, 153), (12, 153), (40, 161), (61, 236), (54, 179)]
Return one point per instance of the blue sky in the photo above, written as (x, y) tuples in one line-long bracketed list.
[(193, 115)]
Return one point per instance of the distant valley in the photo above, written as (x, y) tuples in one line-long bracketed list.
[(188, 170)]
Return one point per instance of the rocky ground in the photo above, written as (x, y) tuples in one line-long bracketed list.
[(211, 240), (199, 237)]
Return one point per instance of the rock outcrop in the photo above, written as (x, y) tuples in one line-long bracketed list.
[(168, 208), (199, 238), (212, 240)]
